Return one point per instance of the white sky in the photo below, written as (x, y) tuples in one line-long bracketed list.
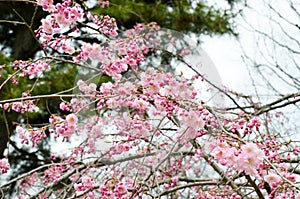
[(226, 52), (226, 55)]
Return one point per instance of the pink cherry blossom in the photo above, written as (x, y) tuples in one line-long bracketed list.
[(72, 119), (87, 182), (47, 26), (147, 134), (4, 165), (272, 178), (121, 188)]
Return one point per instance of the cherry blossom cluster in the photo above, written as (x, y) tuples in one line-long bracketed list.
[(217, 194), (150, 120), (64, 128), (247, 158), (115, 189), (87, 89), (173, 183), (30, 135), (106, 24), (54, 173), (86, 183), (153, 88), (192, 125), (62, 15), (25, 184), (275, 178), (121, 54), (29, 68), (67, 15), (4, 165), (22, 106), (77, 104), (103, 3), (244, 123), (47, 5)]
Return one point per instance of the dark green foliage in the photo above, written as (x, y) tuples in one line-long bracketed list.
[(178, 15), (18, 39)]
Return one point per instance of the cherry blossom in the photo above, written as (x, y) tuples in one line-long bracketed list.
[(4, 165), (145, 132)]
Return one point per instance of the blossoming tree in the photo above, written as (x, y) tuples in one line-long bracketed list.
[(138, 130)]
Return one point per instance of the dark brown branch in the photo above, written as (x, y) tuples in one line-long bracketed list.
[(286, 100), (256, 188)]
